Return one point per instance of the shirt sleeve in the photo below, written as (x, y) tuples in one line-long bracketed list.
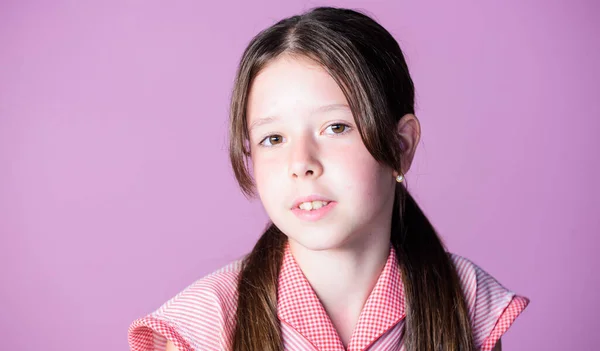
[(508, 316), (198, 318), (151, 334), (492, 307)]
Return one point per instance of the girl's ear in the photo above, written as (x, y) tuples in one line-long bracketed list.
[(409, 129)]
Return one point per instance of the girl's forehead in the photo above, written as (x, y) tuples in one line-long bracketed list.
[(292, 84)]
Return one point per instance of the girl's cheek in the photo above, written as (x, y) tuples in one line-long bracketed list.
[(357, 163), (352, 154), (268, 166), (268, 159)]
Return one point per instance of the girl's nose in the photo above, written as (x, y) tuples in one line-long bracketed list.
[(304, 160)]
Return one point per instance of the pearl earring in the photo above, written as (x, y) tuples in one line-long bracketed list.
[(399, 178)]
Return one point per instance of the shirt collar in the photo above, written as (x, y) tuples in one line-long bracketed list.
[(299, 307)]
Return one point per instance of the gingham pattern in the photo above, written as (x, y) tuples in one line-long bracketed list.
[(515, 307), (201, 317), (488, 301), (300, 308)]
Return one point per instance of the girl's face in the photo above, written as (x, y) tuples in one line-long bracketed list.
[(305, 146)]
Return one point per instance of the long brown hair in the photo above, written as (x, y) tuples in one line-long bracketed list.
[(369, 66)]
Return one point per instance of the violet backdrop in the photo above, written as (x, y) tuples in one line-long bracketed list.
[(116, 191)]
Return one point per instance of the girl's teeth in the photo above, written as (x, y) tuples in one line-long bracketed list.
[(314, 205)]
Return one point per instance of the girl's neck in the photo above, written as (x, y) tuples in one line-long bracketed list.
[(344, 277)]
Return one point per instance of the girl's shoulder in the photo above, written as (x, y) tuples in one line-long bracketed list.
[(492, 307), (200, 314)]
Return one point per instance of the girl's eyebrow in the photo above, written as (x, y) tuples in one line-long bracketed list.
[(325, 108), (261, 122)]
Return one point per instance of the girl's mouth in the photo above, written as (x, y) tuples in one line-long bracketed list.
[(313, 210), (312, 205)]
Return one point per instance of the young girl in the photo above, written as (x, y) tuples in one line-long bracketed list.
[(323, 112)]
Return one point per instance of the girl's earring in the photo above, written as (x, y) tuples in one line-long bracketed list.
[(399, 178)]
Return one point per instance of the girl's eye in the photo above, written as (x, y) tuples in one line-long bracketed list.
[(271, 140), (338, 128)]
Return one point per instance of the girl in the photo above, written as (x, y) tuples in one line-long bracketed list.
[(323, 112)]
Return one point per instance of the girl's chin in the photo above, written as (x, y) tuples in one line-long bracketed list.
[(319, 241)]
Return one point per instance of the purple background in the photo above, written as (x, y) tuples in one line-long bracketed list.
[(116, 191)]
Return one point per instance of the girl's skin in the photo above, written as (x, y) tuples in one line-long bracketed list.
[(304, 141)]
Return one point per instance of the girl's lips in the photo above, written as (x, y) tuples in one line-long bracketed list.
[(310, 198), (314, 215)]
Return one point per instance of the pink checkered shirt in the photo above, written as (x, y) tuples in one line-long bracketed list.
[(202, 316)]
